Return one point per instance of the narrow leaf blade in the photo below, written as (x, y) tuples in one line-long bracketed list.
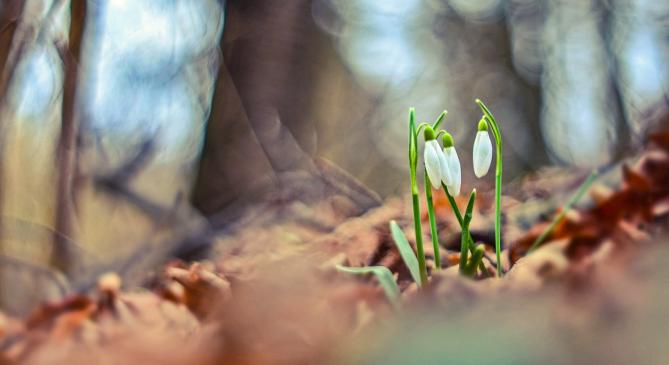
[(413, 148), (439, 120), (383, 275), (408, 256)]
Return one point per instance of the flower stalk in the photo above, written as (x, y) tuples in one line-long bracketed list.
[(490, 119), (465, 237), (433, 222), (461, 222), (434, 174), (413, 163)]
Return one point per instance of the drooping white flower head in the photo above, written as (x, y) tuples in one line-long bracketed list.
[(450, 167), (482, 155), (432, 157)]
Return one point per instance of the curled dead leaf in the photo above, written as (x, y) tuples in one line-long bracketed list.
[(204, 290)]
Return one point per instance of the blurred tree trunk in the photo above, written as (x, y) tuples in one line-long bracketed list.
[(277, 103), (9, 21), (626, 136), (67, 142), (251, 134)]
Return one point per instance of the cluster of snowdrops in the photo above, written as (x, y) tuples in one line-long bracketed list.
[(443, 171)]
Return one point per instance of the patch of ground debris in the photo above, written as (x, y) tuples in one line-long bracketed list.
[(595, 292)]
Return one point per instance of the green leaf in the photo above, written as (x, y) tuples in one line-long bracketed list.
[(412, 136), (408, 256), (439, 120), (383, 275), (470, 208), (413, 148)]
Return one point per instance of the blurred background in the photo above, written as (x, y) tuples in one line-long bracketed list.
[(125, 122)]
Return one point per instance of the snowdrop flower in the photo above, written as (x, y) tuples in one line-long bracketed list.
[(433, 157), (482, 150), (450, 166)]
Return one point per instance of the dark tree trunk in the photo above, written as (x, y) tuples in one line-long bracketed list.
[(62, 257), (9, 21), (255, 132)]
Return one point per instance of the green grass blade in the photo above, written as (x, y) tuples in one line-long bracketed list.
[(408, 256), (570, 203), (383, 275)]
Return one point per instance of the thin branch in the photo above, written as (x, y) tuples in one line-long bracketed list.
[(133, 166)]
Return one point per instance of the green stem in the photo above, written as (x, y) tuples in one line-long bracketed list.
[(419, 240), (433, 223), (476, 259), (454, 205), (498, 212), (498, 183), (573, 200), (458, 215), (465, 237), (413, 162), (464, 249)]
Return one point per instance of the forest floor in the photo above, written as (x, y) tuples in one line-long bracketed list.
[(595, 292)]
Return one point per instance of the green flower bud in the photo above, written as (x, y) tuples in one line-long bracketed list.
[(429, 134), (483, 125), (448, 140)]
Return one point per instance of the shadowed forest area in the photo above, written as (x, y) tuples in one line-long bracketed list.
[(334, 181)]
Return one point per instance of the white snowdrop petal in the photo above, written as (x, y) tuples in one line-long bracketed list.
[(445, 173), (482, 155), (454, 171), (432, 163)]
